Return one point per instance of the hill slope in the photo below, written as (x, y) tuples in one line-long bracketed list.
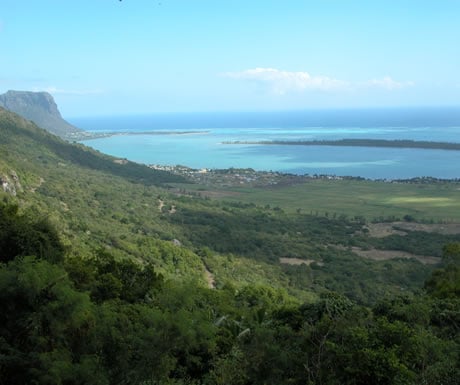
[(100, 202), (21, 137), (82, 244)]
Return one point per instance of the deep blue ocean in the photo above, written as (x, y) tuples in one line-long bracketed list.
[(196, 140)]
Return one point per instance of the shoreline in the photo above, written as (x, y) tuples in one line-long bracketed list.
[(89, 135), (249, 175)]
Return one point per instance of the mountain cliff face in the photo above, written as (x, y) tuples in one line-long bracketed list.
[(40, 108)]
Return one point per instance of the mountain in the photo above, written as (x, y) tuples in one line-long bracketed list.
[(40, 108)]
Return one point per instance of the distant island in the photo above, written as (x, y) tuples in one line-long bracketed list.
[(360, 143)]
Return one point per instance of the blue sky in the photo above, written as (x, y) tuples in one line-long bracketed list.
[(101, 57)]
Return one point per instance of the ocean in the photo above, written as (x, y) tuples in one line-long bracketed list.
[(197, 140)]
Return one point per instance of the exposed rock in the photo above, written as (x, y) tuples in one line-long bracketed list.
[(10, 183), (120, 161), (40, 108)]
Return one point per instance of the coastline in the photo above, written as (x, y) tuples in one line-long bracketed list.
[(89, 135)]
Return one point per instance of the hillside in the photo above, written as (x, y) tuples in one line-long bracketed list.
[(101, 202), (37, 149), (40, 108), (109, 275)]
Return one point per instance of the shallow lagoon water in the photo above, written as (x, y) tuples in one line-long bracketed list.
[(199, 146)]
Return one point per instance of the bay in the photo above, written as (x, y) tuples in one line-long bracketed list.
[(196, 140)]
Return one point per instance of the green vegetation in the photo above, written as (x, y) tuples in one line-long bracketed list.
[(373, 200), (38, 146), (102, 321), (108, 275)]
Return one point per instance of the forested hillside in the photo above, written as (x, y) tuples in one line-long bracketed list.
[(109, 275)]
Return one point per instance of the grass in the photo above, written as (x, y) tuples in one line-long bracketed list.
[(369, 199)]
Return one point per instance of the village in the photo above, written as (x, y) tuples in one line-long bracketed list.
[(240, 176), (252, 178)]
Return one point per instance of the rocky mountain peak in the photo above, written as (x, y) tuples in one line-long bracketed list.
[(14, 100), (40, 108)]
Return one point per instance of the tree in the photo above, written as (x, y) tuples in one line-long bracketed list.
[(445, 283), (46, 327), (25, 234)]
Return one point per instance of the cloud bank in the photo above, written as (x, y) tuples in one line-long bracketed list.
[(388, 83), (283, 82)]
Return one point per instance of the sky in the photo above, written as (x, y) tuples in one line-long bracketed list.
[(111, 57)]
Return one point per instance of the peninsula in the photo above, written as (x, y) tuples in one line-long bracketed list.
[(427, 145)]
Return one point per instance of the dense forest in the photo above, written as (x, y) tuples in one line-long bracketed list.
[(105, 279), (99, 320)]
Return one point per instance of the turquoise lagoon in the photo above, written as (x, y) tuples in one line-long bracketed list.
[(197, 141)]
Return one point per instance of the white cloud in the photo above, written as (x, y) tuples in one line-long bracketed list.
[(59, 91), (387, 83), (282, 82)]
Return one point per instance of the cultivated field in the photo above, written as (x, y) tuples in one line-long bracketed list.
[(436, 202)]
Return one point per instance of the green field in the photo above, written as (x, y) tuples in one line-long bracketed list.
[(372, 200)]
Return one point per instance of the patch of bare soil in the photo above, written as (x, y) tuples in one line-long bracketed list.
[(64, 206), (380, 230), (40, 182), (383, 255), (298, 261), (219, 194)]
